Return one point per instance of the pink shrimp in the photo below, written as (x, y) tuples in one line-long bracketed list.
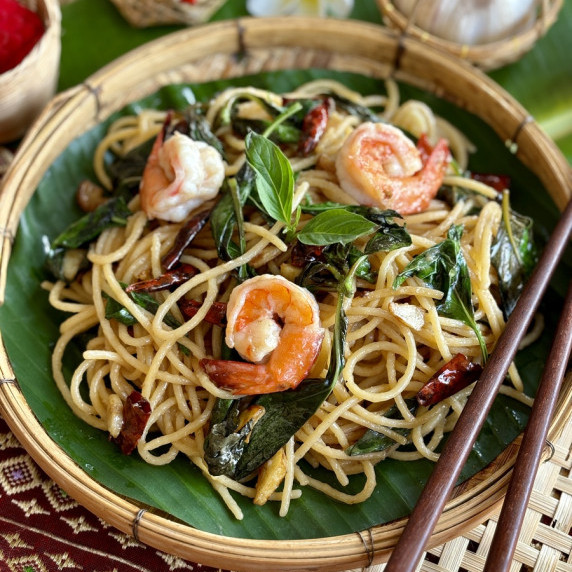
[(378, 165), (179, 176), (275, 324)]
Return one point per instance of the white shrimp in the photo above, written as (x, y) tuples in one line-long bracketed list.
[(179, 176)]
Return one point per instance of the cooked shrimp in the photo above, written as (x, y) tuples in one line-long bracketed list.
[(276, 325), (180, 175), (378, 165)]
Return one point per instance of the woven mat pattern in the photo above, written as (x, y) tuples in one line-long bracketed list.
[(545, 542)]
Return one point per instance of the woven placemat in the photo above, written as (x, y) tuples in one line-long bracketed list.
[(545, 541)]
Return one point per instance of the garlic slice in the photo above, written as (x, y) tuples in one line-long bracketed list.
[(471, 22), (409, 314)]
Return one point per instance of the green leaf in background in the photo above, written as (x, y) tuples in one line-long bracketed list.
[(30, 326)]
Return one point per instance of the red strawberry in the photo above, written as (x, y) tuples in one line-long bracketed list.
[(20, 30)]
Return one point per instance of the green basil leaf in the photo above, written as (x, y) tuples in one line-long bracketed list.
[(112, 213), (373, 441), (224, 217), (200, 129), (274, 176), (513, 268), (444, 268), (335, 226), (126, 171)]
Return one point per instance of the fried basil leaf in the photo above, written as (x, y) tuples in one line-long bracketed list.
[(443, 267)]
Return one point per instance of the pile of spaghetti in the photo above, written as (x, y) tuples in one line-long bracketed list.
[(267, 279)]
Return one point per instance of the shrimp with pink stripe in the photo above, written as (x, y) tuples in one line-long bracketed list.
[(378, 165), (275, 325)]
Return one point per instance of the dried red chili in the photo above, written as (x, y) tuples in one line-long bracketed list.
[(455, 375), (302, 254), (136, 413), (498, 182), (313, 127), (216, 314), (172, 278), (184, 237)]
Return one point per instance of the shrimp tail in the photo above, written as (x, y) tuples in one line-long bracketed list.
[(283, 371), (418, 190), (438, 161), (240, 378)]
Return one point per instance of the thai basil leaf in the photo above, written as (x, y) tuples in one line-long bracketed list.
[(55, 261), (112, 213), (285, 413), (224, 216), (274, 176), (126, 171), (227, 115), (513, 259), (284, 133), (335, 226), (364, 113), (452, 195), (373, 441), (443, 267), (326, 272), (199, 128), (114, 310), (224, 444), (389, 235), (344, 257)]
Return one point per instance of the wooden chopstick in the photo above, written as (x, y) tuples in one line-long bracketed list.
[(429, 507), (510, 521)]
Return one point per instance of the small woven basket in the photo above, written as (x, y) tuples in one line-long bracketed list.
[(25, 89), (143, 13), (487, 56)]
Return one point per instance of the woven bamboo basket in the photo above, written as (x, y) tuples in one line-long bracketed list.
[(234, 49), (27, 88), (487, 56), (144, 13)]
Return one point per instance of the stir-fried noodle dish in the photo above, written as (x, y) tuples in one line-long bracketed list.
[(264, 279)]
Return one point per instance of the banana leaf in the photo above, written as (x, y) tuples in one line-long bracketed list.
[(30, 328)]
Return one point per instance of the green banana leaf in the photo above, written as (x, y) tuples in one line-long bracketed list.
[(30, 327)]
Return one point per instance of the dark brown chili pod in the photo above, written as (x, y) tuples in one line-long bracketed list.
[(455, 375), (136, 413), (172, 278)]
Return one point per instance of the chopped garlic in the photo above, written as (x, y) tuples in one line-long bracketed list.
[(409, 314), (270, 475)]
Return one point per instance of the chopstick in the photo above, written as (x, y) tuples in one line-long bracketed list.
[(510, 521), (436, 492)]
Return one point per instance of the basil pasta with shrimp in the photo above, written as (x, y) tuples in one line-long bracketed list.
[(269, 282)]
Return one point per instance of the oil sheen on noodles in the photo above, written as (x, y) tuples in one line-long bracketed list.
[(396, 338)]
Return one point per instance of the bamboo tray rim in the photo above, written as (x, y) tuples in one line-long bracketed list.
[(238, 36)]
